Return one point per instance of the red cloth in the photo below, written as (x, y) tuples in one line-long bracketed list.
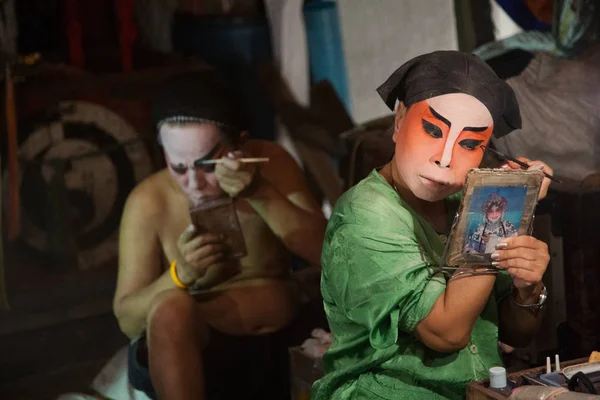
[(97, 32), (542, 9), (125, 10), (74, 33)]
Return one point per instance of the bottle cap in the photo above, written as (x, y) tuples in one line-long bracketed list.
[(497, 377)]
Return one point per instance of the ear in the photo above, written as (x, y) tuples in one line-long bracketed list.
[(400, 115)]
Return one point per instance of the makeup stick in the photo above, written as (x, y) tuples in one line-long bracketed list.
[(548, 365), (521, 163)]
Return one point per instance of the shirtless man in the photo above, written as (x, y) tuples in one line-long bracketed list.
[(161, 253)]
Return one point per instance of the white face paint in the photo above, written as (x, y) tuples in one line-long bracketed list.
[(184, 145), (461, 111)]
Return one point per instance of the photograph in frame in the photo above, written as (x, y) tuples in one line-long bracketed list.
[(496, 204)]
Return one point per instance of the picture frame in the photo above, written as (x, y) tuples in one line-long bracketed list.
[(496, 204)]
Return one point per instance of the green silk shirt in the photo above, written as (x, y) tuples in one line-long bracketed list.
[(377, 285)]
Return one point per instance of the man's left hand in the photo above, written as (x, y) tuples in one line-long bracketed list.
[(533, 165), (233, 175)]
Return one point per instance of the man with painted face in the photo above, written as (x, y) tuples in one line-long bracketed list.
[(177, 336), (401, 330)]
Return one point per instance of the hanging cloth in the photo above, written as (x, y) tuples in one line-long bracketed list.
[(575, 25)]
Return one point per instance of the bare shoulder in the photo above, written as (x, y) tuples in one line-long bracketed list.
[(282, 171), (264, 148), (148, 198), (280, 161)]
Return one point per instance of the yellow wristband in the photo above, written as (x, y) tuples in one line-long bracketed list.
[(175, 277)]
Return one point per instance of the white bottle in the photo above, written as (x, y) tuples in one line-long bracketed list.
[(498, 381)]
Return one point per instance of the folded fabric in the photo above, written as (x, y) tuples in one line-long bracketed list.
[(113, 383), (318, 344)]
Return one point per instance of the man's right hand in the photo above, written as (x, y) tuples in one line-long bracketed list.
[(198, 253)]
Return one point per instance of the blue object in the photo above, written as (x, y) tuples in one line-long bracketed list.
[(325, 47), (520, 13), (233, 46)]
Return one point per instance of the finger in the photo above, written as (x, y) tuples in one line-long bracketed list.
[(240, 178), (538, 267), (231, 176), (240, 174), (194, 254), (205, 256), (203, 239), (187, 234), (232, 190), (231, 185), (192, 248), (232, 164), (521, 241), (540, 166), (517, 252), (513, 165)]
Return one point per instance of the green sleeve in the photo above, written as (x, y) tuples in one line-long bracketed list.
[(379, 277)]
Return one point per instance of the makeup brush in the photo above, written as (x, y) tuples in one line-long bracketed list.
[(521, 163)]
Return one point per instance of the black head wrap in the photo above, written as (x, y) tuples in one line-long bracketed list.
[(443, 72), (198, 97)]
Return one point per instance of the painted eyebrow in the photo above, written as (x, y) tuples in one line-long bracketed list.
[(475, 128), (210, 154), (467, 128), (438, 116)]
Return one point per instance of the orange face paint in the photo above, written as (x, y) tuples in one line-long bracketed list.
[(438, 141)]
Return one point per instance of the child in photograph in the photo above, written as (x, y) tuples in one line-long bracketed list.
[(494, 227)]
